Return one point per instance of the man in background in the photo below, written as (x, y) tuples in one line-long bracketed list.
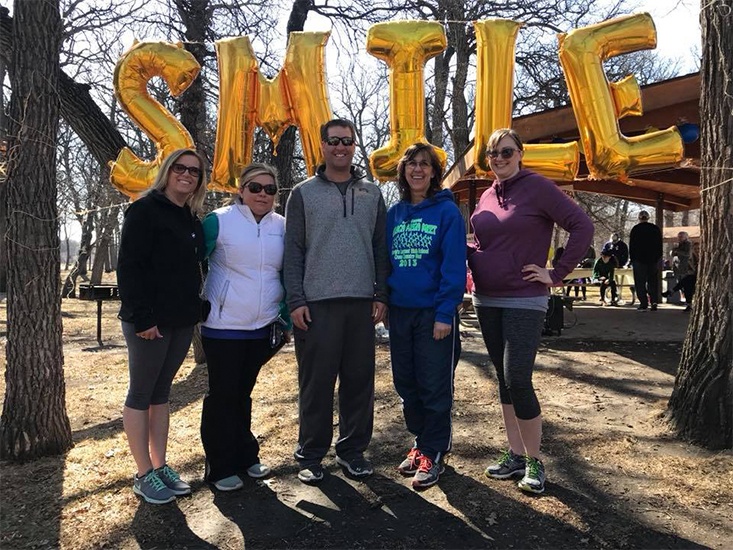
[(645, 250)]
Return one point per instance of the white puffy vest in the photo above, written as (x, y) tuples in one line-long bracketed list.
[(243, 283)]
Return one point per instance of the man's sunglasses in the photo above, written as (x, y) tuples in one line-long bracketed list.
[(505, 153), (334, 141), (181, 168), (254, 187)]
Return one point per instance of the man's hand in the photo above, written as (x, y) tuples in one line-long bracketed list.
[(301, 316), (379, 312), (441, 330)]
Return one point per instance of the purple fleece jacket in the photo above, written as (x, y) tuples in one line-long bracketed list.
[(513, 225)]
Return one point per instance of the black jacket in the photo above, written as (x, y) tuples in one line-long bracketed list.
[(645, 243), (158, 265)]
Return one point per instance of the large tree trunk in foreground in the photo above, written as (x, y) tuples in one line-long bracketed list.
[(34, 421), (701, 407)]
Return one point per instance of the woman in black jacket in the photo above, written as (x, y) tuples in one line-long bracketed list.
[(159, 279)]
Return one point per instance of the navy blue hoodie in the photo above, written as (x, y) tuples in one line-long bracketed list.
[(427, 250)]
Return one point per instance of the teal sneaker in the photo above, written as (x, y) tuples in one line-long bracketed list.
[(509, 465), (534, 476), (173, 481), (152, 488)]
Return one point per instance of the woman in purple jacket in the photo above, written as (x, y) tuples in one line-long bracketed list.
[(513, 226)]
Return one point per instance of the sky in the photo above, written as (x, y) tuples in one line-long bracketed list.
[(678, 29), (676, 21)]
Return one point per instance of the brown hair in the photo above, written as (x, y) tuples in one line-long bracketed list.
[(341, 122), (501, 133), (411, 152)]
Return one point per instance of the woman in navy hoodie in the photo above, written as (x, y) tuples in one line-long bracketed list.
[(513, 226), (426, 238)]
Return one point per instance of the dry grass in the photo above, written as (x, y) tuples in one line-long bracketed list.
[(618, 479)]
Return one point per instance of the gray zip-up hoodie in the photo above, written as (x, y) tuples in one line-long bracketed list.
[(335, 243)]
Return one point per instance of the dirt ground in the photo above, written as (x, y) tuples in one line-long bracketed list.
[(616, 476)]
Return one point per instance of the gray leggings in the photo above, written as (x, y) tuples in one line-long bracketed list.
[(154, 364), (512, 337)]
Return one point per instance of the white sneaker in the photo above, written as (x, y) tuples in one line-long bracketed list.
[(231, 483), (258, 470)]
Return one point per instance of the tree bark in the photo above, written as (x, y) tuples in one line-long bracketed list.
[(34, 421), (701, 406)]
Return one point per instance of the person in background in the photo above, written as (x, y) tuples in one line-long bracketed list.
[(681, 253), (513, 225), (336, 267), (426, 240), (619, 249), (244, 244), (603, 273), (688, 283), (645, 251), (158, 274)]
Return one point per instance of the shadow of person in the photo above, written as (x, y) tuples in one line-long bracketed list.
[(383, 513), (265, 521), (164, 526), (559, 517)]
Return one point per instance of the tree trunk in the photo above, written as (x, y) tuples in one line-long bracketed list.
[(34, 421), (701, 406)]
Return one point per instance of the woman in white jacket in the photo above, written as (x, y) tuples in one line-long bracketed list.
[(244, 242)]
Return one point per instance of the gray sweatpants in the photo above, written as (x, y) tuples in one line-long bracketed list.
[(339, 343)]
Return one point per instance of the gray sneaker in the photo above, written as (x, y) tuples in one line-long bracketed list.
[(428, 473), (152, 489), (173, 481), (409, 466), (358, 467), (509, 465), (311, 475), (534, 478)]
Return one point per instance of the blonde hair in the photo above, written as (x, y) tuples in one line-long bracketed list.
[(250, 172), (196, 200)]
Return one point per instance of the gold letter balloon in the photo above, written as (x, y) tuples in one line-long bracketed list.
[(136, 67), (297, 95), (405, 46), (597, 105)]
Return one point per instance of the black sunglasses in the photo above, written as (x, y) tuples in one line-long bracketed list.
[(334, 141), (182, 168), (254, 187), (505, 153)]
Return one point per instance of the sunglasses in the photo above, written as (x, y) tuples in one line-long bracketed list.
[(182, 168), (254, 187), (334, 141), (505, 153)]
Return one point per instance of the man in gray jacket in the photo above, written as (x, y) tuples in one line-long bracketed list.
[(335, 271)]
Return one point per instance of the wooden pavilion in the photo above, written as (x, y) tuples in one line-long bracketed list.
[(668, 103)]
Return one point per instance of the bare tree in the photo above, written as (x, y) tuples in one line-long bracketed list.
[(701, 406), (31, 426)]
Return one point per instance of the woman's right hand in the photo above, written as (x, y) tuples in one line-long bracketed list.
[(150, 334)]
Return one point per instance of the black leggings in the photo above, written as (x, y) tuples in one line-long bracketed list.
[(153, 364), (512, 337)]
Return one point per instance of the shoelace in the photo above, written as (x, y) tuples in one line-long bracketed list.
[(425, 464), (413, 456), (534, 468), (154, 481), (170, 473), (506, 458)]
